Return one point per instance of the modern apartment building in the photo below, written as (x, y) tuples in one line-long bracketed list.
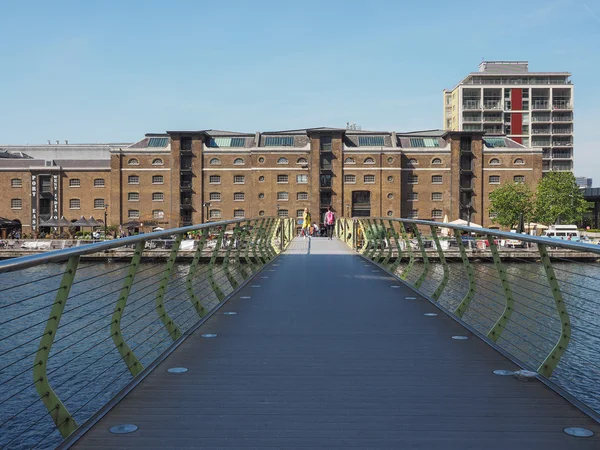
[(183, 177), (532, 108)]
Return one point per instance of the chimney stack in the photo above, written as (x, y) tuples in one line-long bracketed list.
[(48, 141), (66, 142), (57, 142)]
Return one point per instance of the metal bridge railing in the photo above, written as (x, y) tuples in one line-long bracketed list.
[(535, 299), (75, 330)]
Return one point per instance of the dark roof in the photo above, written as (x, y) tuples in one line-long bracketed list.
[(424, 133), (18, 155)]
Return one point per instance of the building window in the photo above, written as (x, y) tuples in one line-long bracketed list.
[(299, 213), (413, 162), (227, 142), (261, 179), (390, 179), (493, 215), (133, 214), (239, 179), (282, 161), (494, 162), (371, 141), (239, 214), (186, 143), (284, 196), (16, 203), (519, 178), (436, 213), (282, 178), (369, 161), (133, 179), (215, 162), (261, 160), (325, 143), (436, 196), (261, 213), (302, 161), (158, 197), (158, 179), (215, 214), (238, 162), (413, 179), (494, 179), (214, 196), (133, 196), (519, 161), (349, 161), (279, 141), (157, 162), (99, 182), (214, 179), (74, 182), (75, 203), (158, 214), (302, 179), (436, 161), (369, 179), (413, 196), (437, 179), (239, 196), (302, 196), (390, 160), (133, 162), (350, 179), (16, 183), (413, 214), (283, 213), (390, 196), (261, 196), (98, 203)]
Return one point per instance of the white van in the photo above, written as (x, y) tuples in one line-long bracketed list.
[(567, 232)]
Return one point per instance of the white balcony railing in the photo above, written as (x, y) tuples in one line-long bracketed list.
[(471, 104)]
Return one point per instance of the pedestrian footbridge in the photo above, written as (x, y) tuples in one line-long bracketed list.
[(392, 335)]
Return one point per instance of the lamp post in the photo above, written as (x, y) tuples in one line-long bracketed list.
[(105, 220), (206, 205)]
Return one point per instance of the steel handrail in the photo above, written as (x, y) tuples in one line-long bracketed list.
[(64, 254)]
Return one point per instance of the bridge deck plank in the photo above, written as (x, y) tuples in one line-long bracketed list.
[(326, 355)]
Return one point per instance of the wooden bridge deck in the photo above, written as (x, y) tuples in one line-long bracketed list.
[(326, 354)]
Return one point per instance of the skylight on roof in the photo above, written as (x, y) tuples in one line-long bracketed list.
[(158, 142), (424, 142), (494, 142), (370, 141), (227, 142), (279, 141)]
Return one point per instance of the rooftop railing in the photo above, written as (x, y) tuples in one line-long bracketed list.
[(77, 331), (534, 299)]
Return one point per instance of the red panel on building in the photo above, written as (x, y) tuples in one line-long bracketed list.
[(516, 119)]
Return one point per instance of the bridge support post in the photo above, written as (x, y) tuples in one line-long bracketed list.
[(131, 361), (398, 260), (388, 242), (502, 321), (411, 256), (169, 324), (464, 304), (192, 271), (438, 292), (213, 259), (552, 360), (59, 413), (422, 277), (232, 281)]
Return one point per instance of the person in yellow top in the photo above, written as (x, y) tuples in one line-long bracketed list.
[(306, 221)]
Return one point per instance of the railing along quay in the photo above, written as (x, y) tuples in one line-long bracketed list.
[(542, 312), (73, 334)]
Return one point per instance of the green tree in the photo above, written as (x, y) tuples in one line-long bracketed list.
[(558, 196), (509, 202)]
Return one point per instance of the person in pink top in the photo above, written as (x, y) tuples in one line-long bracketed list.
[(329, 222)]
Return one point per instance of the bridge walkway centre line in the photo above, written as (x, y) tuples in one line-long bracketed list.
[(324, 353)]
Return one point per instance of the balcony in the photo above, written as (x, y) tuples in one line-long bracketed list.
[(185, 167), (470, 118), (563, 118), (493, 130), (561, 167), (562, 130), (541, 131), (540, 118), (540, 143), (561, 104), (471, 104), (562, 154), (492, 118), (186, 203), (546, 165), (562, 143), (492, 104), (546, 153), (186, 186), (540, 104)]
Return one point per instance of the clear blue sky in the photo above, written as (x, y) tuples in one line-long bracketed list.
[(109, 71)]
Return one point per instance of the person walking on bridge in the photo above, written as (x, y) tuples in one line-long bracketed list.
[(306, 220), (329, 222)]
